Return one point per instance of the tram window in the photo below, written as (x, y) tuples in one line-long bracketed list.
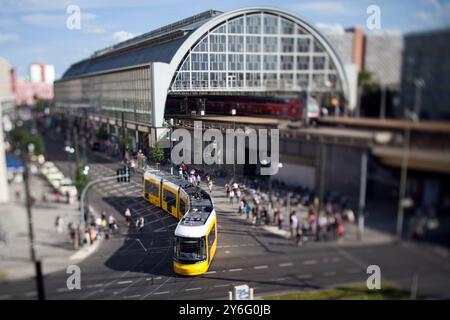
[(211, 237), (190, 250), (151, 188), (169, 197), (182, 206)]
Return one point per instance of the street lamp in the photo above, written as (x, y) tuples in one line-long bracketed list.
[(233, 113), (70, 150)]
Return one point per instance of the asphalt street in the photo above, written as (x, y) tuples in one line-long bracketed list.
[(133, 265)]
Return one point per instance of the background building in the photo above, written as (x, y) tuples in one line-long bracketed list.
[(378, 53), (42, 73), (427, 57), (6, 102)]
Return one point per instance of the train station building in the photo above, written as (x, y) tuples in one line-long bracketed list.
[(203, 64)]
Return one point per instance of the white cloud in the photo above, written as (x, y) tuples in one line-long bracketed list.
[(120, 36), (95, 30), (6, 37), (330, 28)]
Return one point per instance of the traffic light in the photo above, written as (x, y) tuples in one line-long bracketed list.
[(119, 173)]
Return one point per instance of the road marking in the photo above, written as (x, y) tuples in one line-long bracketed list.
[(29, 294), (192, 289), (234, 270), (329, 274), (62, 290), (124, 282), (132, 297), (210, 272), (227, 251), (286, 264), (260, 267), (279, 279), (141, 245), (226, 246), (95, 285), (5, 296), (336, 259), (221, 285), (310, 262), (304, 276), (162, 292)]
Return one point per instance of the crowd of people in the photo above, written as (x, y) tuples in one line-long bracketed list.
[(312, 222), (101, 227)]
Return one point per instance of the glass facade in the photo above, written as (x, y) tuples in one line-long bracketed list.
[(257, 51), (110, 94)]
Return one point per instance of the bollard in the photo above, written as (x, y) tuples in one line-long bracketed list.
[(230, 295), (251, 293)]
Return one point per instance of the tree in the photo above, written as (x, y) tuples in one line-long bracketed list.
[(81, 180), (21, 138), (157, 153), (367, 81), (126, 140), (102, 134)]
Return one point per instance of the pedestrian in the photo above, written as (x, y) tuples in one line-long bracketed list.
[(59, 224), (180, 172), (210, 185), (248, 209), (228, 189), (112, 222), (68, 200), (241, 206), (87, 237), (198, 179), (322, 227), (140, 223), (299, 239), (3, 236), (128, 216), (231, 196), (183, 167), (280, 220), (104, 225), (238, 194), (293, 223)]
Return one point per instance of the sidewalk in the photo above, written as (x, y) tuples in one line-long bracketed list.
[(370, 236), (54, 249)]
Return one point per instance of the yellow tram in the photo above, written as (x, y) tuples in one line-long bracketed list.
[(195, 239)]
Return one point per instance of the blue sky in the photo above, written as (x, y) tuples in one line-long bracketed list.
[(35, 30)]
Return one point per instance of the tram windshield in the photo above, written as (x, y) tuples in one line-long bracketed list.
[(190, 250)]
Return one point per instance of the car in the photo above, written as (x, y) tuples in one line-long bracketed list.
[(68, 189), (54, 176), (57, 181), (48, 166)]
